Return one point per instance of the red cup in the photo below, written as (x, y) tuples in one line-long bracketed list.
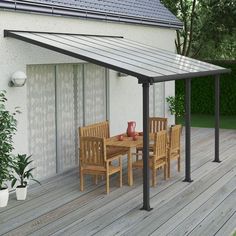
[(120, 137), (135, 137)]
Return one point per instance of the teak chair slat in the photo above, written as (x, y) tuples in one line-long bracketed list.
[(156, 124), (158, 158), (101, 130), (94, 160), (174, 148)]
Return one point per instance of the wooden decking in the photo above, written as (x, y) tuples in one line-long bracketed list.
[(205, 207)]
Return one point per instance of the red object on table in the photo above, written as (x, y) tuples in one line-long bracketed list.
[(131, 128), (120, 137)]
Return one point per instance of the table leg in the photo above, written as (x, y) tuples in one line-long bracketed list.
[(130, 169)]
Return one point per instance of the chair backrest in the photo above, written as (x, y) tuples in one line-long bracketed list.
[(157, 124), (160, 145), (93, 151), (100, 130), (175, 133)]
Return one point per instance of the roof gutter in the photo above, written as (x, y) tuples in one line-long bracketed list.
[(48, 9)]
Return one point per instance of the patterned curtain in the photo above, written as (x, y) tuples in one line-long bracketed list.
[(41, 119)]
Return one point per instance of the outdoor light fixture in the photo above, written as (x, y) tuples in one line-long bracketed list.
[(18, 79)]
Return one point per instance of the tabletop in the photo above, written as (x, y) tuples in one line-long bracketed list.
[(126, 142)]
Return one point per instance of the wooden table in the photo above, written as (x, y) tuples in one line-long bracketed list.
[(128, 143)]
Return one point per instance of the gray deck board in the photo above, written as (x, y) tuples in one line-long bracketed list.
[(190, 221), (218, 217), (229, 228), (204, 207)]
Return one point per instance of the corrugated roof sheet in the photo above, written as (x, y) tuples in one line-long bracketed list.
[(143, 10), (130, 57)]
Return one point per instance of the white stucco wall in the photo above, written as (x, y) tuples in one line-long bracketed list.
[(125, 94)]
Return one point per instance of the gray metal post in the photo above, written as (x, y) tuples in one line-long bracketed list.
[(146, 184), (187, 130), (217, 118)]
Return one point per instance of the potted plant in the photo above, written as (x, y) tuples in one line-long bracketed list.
[(7, 130), (176, 106), (22, 175)]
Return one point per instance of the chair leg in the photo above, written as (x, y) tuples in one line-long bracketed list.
[(179, 164), (107, 178), (168, 166), (136, 154), (120, 162), (107, 183), (154, 177), (165, 171), (81, 181)]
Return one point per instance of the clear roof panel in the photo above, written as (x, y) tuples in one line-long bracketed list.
[(127, 56)]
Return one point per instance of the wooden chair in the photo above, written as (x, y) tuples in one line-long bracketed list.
[(158, 158), (94, 160), (101, 130), (174, 146), (156, 124)]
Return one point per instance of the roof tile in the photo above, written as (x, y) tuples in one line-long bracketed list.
[(146, 10)]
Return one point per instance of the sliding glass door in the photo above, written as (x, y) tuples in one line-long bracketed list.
[(60, 99)]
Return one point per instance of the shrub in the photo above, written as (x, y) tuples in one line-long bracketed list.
[(7, 130), (176, 105)]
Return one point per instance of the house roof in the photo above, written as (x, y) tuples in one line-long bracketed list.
[(149, 12), (148, 64)]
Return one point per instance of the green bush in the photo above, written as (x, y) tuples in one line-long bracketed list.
[(176, 105), (7, 130), (203, 93)]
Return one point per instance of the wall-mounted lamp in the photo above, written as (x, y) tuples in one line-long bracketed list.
[(121, 75), (18, 79)]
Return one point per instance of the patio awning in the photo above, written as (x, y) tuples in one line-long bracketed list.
[(147, 63)]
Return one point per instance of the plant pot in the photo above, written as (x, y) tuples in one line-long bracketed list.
[(4, 196), (21, 193)]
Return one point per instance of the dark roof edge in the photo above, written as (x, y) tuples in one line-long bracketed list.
[(7, 32), (190, 75), (74, 12)]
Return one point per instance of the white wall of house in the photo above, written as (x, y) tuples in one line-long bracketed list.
[(125, 93)]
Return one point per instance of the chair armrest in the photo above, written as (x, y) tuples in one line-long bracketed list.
[(113, 158)]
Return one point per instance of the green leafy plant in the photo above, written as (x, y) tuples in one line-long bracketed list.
[(22, 174), (176, 105), (7, 131)]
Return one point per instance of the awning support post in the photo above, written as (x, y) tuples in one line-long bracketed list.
[(217, 118), (146, 184), (188, 131)]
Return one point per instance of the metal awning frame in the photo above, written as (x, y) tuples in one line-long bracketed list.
[(146, 169), (146, 82)]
